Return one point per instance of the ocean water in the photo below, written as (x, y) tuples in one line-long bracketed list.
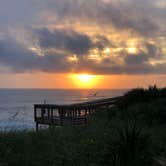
[(16, 105)]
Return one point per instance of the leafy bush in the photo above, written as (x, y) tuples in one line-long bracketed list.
[(147, 113), (115, 136), (141, 95), (130, 147)]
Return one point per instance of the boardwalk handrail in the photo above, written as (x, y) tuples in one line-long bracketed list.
[(97, 102), (74, 114)]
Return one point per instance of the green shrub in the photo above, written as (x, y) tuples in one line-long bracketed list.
[(130, 147), (141, 95)]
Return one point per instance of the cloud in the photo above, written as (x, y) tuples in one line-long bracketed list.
[(71, 41), (136, 15), (95, 33), (19, 12), (136, 59), (96, 11), (143, 56), (20, 59), (102, 42)]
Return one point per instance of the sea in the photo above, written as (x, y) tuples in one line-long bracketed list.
[(16, 105)]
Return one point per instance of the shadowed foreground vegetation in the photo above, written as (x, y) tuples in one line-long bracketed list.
[(132, 133)]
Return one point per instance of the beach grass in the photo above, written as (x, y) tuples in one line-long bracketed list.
[(132, 133)]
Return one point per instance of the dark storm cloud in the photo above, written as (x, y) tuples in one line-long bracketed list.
[(71, 41)]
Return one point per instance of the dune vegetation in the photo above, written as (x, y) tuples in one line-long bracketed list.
[(132, 133)]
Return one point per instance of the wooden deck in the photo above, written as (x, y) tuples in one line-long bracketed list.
[(72, 114)]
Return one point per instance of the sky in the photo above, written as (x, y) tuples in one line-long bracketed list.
[(43, 44)]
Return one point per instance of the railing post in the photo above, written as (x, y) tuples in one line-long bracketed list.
[(37, 126), (52, 115), (71, 119), (61, 116), (35, 112), (48, 113)]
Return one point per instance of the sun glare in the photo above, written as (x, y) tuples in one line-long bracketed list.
[(132, 50), (132, 47), (84, 80)]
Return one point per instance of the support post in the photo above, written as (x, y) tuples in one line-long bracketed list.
[(51, 115), (61, 116), (35, 114), (48, 113), (37, 126)]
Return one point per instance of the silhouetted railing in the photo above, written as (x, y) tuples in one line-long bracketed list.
[(73, 114)]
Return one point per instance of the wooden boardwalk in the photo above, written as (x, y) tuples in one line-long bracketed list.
[(72, 114)]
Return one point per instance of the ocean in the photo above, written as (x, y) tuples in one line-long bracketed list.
[(16, 105)]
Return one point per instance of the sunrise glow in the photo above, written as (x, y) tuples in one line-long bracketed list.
[(84, 80), (114, 40)]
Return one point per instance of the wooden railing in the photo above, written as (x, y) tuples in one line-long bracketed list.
[(73, 114)]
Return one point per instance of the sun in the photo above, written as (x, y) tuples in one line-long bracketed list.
[(84, 80)]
